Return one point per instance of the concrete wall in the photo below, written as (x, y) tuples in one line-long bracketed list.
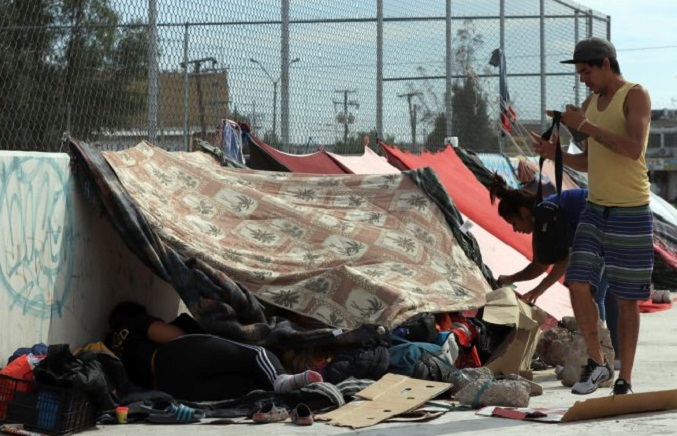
[(62, 265)]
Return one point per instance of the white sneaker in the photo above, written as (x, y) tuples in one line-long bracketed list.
[(592, 376)]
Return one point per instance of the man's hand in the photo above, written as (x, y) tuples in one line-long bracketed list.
[(531, 296), (572, 117), (546, 149), (504, 281)]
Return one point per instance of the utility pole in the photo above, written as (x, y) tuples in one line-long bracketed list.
[(197, 64), (275, 82), (345, 117), (412, 112)]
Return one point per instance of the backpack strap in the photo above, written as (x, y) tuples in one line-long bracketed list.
[(559, 165)]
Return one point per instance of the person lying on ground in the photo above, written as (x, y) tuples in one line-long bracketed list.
[(181, 359)]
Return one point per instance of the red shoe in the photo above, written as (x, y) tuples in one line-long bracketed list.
[(270, 413), (302, 415)]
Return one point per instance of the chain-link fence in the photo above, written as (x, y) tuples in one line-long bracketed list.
[(303, 73)]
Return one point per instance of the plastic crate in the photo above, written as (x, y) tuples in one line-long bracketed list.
[(46, 409)]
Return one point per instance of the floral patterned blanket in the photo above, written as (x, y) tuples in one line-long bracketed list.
[(345, 250)]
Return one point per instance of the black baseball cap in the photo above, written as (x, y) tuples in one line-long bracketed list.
[(592, 49)]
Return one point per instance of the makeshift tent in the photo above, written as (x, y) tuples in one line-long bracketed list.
[(368, 163), (345, 250), (469, 195), (264, 157), (498, 256), (498, 163)]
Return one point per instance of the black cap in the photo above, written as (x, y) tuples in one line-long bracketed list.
[(592, 49)]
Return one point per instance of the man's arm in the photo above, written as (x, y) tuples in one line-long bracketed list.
[(531, 271), (161, 332), (555, 273), (637, 109)]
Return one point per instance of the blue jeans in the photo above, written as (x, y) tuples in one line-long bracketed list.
[(608, 311)]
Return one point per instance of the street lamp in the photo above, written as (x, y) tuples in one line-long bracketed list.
[(275, 82)]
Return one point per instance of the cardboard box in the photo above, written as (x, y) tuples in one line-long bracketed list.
[(390, 396), (517, 350)]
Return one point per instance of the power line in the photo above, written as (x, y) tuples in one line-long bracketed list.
[(658, 47)]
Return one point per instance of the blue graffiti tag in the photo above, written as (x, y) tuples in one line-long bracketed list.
[(38, 242)]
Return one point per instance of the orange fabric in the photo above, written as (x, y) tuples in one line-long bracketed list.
[(649, 306), (19, 368), (469, 195)]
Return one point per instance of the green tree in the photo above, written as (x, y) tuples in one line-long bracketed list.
[(67, 65), (25, 48), (470, 118)]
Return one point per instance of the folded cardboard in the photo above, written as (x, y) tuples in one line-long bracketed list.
[(621, 405), (593, 408), (390, 396), (515, 353)]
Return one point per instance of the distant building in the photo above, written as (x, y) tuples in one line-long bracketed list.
[(207, 105), (662, 153)]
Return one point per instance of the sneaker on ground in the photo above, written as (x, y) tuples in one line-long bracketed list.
[(621, 387), (592, 376)]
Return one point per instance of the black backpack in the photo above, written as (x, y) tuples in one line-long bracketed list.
[(419, 328), (550, 241)]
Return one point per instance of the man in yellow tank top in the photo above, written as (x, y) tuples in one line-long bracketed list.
[(615, 233)]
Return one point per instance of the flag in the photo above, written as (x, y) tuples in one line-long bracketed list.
[(508, 115)]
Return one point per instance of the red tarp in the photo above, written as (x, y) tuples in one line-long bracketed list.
[(264, 157), (469, 195)]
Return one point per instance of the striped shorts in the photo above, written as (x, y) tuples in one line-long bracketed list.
[(618, 240)]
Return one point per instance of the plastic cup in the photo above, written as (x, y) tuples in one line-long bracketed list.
[(121, 414)]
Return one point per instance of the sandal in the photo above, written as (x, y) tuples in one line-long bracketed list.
[(302, 415), (270, 413)]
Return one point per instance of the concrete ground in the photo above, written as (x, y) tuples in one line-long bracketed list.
[(655, 369)]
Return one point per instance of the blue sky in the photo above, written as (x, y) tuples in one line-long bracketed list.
[(644, 36)]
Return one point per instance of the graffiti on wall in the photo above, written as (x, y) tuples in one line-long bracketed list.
[(37, 238)]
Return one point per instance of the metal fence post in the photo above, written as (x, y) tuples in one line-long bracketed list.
[(501, 138), (379, 69), (152, 72), (284, 75), (542, 42), (447, 95), (185, 87), (577, 84)]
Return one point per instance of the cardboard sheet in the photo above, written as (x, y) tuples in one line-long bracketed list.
[(621, 405), (593, 408), (390, 396)]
